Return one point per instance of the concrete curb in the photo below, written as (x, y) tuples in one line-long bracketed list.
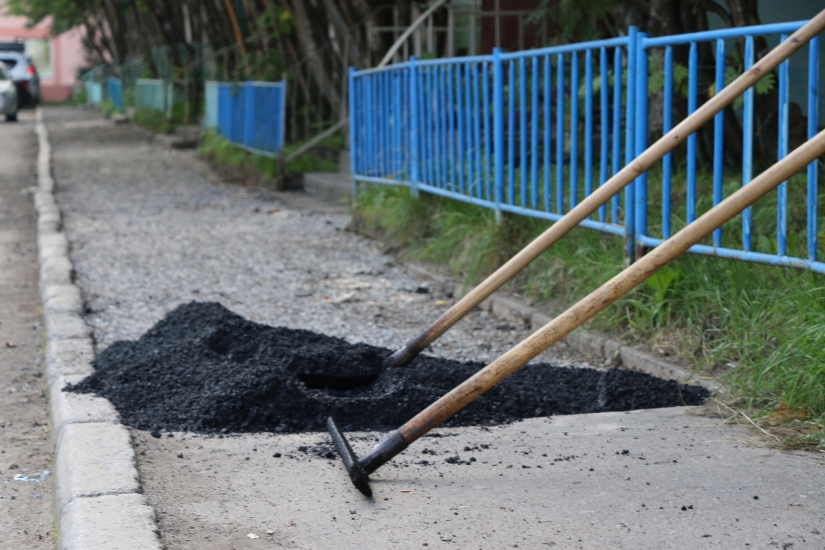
[(516, 311), (99, 504)]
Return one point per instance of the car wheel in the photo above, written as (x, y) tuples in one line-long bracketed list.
[(11, 118)]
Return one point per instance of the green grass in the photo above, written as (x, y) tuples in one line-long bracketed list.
[(107, 108), (320, 159), (760, 329), (154, 121)]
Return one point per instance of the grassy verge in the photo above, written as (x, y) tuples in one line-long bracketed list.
[(154, 121), (320, 159), (760, 329)]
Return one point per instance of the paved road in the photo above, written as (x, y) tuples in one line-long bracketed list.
[(25, 449)]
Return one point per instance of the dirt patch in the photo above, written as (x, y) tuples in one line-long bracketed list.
[(206, 369)]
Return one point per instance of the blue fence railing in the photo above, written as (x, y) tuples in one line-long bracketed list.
[(535, 132), (115, 92), (249, 115)]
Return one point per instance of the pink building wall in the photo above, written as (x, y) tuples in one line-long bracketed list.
[(67, 53)]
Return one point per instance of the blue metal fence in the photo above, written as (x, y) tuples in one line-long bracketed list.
[(210, 105), (115, 91), (249, 115), (154, 94), (535, 132)]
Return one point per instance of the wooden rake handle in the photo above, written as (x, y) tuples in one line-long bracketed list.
[(608, 293), (612, 186)]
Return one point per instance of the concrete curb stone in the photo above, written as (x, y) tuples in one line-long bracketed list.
[(75, 408), (94, 459), (96, 477), (69, 357), (114, 522)]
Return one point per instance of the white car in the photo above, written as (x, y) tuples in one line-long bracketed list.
[(8, 95)]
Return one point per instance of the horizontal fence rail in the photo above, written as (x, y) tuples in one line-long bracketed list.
[(249, 115), (535, 132)]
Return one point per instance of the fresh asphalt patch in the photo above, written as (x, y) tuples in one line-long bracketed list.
[(205, 369)]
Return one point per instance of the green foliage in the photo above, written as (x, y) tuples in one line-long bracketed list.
[(65, 14), (218, 149), (79, 96), (107, 107), (762, 86), (576, 20), (656, 76), (153, 120)]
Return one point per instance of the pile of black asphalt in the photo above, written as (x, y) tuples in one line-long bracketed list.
[(206, 369)]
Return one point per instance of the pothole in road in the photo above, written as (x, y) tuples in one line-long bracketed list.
[(205, 369)]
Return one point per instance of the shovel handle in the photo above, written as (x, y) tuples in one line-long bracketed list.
[(614, 185), (608, 293)]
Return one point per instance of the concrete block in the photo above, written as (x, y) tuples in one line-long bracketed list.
[(65, 325), (45, 226), (328, 186), (511, 309), (113, 522), (94, 459), (538, 320), (612, 351), (53, 241), (588, 343), (69, 408), (62, 298), (55, 270), (634, 359), (68, 357)]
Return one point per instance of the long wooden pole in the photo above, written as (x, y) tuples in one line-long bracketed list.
[(615, 184), (608, 293)]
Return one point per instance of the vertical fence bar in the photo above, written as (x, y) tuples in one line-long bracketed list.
[(447, 123), (434, 119), (574, 129), (460, 128), (477, 128), (487, 175), (640, 138), (413, 127), (693, 75), (534, 133), (782, 152), (718, 136), (451, 128), (368, 154), (498, 128), (617, 135), (588, 122), (425, 151), (603, 124), (441, 135), (511, 122), (522, 93), (667, 114), (630, 122), (249, 114), (747, 146), (813, 122), (560, 134), (354, 145), (469, 128), (547, 144)]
